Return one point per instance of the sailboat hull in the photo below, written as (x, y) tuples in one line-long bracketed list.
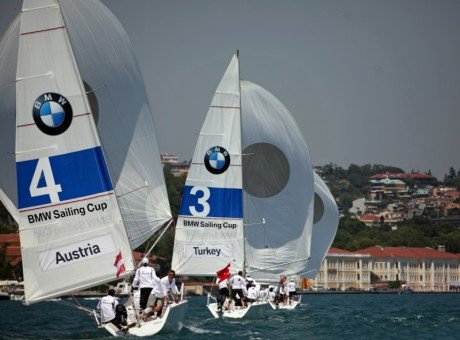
[(256, 310), (170, 322), (292, 306)]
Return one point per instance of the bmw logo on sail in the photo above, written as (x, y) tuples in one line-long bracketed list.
[(217, 160), (52, 113)]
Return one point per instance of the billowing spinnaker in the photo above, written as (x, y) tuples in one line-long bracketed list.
[(278, 185), (209, 231), (109, 69), (9, 46), (325, 224), (70, 225)]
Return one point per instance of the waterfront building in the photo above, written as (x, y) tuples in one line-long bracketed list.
[(421, 269), (10, 248), (342, 269)]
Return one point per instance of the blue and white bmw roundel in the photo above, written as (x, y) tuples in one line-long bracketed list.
[(217, 160), (52, 113)]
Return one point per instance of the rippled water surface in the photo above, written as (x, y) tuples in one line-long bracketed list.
[(357, 316)]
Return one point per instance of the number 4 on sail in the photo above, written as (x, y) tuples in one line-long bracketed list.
[(83, 188)]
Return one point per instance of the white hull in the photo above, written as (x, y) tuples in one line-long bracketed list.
[(256, 310), (293, 305), (171, 321)]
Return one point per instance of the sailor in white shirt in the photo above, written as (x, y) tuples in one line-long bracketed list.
[(169, 285), (251, 293), (107, 306), (145, 279), (291, 290), (238, 283), (156, 298)]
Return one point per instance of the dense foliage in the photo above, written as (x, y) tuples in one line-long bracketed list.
[(418, 232), (346, 185)]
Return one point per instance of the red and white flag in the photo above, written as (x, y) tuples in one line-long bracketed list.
[(224, 273), (119, 264)]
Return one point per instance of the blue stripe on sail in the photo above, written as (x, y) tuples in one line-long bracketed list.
[(223, 202), (79, 174)]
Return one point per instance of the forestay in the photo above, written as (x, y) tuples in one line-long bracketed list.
[(278, 185), (209, 231), (325, 224), (109, 69), (70, 225)]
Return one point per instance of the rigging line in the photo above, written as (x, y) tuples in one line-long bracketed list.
[(97, 88), (158, 239), (133, 190)]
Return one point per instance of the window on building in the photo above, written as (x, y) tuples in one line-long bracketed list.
[(358, 277), (357, 265), (421, 277), (421, 265)]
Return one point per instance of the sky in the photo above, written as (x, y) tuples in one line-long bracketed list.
[(368, 81)]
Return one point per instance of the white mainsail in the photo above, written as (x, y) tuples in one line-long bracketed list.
[(278, 185), (70, 224), (277, 178), (325, 224), (209, 231)]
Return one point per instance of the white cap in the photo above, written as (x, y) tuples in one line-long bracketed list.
[(145, 260), (292, 279)]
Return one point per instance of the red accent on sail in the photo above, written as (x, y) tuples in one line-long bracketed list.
[(119, 264)]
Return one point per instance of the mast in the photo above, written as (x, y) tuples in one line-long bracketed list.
[(241, 155)]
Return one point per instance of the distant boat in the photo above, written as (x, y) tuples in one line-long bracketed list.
[(4, 296), (406, 290), (83, 178), (249, 192)]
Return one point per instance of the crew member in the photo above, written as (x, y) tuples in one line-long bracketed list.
[(169, 285), (106, 306), (237, 282), (145, 279)]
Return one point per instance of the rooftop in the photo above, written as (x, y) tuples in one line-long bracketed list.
[(407, 252)]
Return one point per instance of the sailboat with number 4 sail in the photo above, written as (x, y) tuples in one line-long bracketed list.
[(248, 194), (82, 174)]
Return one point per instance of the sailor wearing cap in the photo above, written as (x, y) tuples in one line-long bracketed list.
[(146, 279)]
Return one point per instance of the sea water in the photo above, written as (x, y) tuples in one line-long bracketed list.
[(331, 316)]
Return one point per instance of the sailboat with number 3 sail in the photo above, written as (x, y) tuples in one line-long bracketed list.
[(82, 175), (248, 194)]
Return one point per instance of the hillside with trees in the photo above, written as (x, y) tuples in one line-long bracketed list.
[(346, 185)]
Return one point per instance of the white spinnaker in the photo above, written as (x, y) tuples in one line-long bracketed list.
[(277, 219), (69, 221), (107, 64), (209, 230), (325, 224), (9, 46)]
